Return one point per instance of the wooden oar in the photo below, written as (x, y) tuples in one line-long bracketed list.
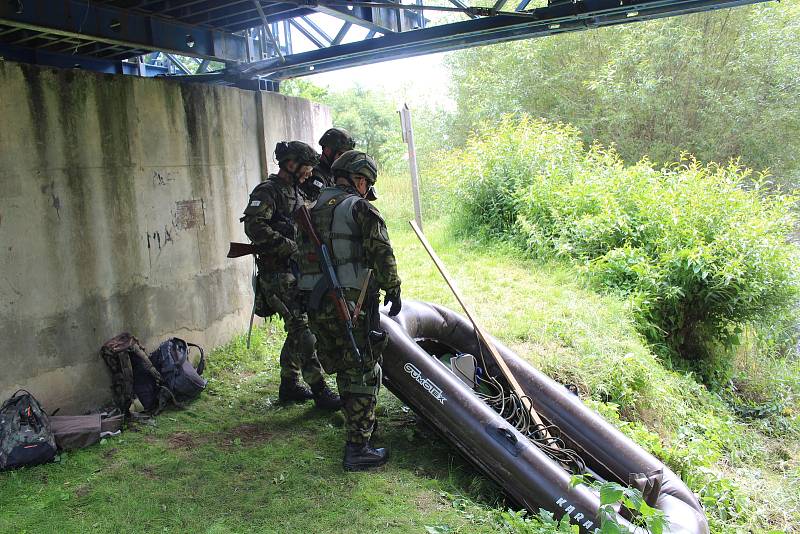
[(501, 363)]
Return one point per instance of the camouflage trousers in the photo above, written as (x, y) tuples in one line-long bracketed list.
[(280, 295), (358, 383)]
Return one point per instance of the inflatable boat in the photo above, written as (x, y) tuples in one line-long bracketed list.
[(435, 364)]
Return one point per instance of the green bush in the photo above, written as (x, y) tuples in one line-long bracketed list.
[(699, 250)]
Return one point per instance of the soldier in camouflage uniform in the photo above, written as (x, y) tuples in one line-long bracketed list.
[(268, 222), (356, 236), (334, 143)]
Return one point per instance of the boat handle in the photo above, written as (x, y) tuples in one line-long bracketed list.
[(505, 437), (508, 435)]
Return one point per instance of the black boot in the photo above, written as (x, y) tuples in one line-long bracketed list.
[(324, 398), (360, 457), (293, 391)]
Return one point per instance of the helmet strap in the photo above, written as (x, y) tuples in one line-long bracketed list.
[(350, 179)]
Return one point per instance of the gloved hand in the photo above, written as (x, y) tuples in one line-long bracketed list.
[(393, 296), (286, 248)]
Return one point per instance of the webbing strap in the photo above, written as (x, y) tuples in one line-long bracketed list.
[(339, 235), (342, 261), (201, 365), (148, 365)]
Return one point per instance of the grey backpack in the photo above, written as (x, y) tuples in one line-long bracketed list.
[(25, 434)]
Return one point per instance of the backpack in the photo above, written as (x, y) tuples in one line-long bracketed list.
[(171, 359), (133, 375), (78, 431), (25, 435)]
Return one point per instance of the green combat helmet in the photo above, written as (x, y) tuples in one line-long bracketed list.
[(337, 139), (298, 151), (357, 162)]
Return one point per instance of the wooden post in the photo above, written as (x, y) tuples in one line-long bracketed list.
[(408, 137)]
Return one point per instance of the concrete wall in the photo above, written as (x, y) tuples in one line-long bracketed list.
[(118, 197)]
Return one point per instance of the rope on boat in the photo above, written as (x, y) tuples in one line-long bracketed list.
[(512, 408)]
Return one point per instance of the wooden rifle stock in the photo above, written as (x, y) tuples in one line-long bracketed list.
[(237, 250)]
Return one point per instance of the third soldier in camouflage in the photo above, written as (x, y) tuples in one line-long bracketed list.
[(356, 236), (334, 143), (268, 222)]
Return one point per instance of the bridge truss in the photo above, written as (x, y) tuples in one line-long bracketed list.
[(257, 43)]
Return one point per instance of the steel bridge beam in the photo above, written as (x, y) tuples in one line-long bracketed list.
[(72, 61), (554, 19), (353, 17), (113, 26)]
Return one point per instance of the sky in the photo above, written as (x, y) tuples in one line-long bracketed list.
[(416, 81)]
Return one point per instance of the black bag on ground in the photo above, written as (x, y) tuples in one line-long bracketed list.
[(171, 359), (25, 435), (133, 375)]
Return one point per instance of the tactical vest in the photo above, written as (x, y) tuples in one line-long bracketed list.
[(332, 217)]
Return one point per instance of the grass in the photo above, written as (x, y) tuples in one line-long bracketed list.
[(235, 461)]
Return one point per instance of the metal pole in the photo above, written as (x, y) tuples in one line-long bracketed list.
[(265, 22), (408, 137)]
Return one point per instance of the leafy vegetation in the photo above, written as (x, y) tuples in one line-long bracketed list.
[(719, 85), (690, 259), (368, 115), (697, 254), (613, 497)]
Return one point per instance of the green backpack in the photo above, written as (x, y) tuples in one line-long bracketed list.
[(25, 434)]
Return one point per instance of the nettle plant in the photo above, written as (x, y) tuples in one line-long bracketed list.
[(628, 500), (699, 250)]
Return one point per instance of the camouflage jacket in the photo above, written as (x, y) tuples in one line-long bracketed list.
[(269, 223)]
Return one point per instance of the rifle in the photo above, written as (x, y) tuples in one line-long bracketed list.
[(330, 281), (237, 250)]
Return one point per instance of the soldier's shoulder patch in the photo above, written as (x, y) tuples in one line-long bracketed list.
[(374, 210), (332, 201), (256, 205)]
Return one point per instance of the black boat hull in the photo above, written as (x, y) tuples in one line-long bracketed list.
[(525, 473)]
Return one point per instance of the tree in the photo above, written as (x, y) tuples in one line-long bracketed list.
[(372, 120), (718, 85)]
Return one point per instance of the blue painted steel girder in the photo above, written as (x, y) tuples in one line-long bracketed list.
[(101, 23), (560, 18), (70, 61)]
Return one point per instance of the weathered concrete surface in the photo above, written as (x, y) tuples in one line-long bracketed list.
[(118, 196)]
